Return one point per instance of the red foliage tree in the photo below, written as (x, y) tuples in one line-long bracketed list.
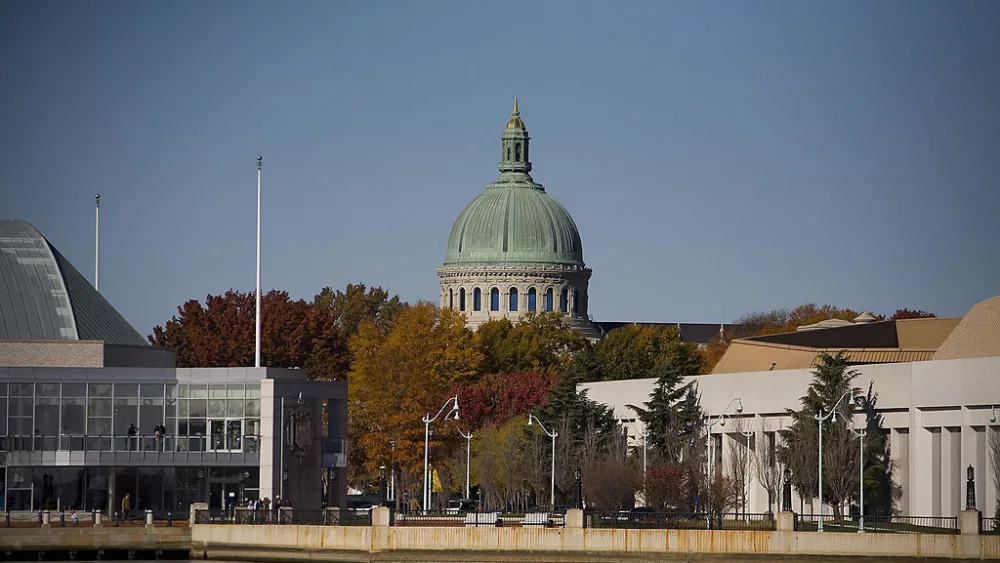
[(908, 314), (498, 397), (221, 333)]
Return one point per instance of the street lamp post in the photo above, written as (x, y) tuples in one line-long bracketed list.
[(553, 434), (392, 470), (427, 438), (709, 423), (645, 437), (721, 421), (860, 435), (747, 434), (468, 457), (820, 419)]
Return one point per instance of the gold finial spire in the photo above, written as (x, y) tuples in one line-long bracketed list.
[(515, 121), (515, 107)]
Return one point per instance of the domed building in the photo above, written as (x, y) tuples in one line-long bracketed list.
[(515, 249)]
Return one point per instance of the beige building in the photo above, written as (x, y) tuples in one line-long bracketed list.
[(938, 382)]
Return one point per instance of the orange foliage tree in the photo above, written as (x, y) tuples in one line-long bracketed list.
[(401, 373)]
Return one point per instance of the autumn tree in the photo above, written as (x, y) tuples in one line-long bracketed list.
[(401, 372), (220, 333), (634, 352), (294, 333), (908, 314), (498, 397), (609, 475), (336, 316), (831, 380), (539, 342), (741, 461), (765, 463), (784, 320)]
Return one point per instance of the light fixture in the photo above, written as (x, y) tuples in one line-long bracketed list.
[(722, 422), (739, 406), (993, 415), (529, 419)]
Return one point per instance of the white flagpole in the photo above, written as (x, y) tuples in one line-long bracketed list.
[(256, 362), (97, 241)]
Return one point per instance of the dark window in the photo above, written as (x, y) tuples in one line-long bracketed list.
[(576, 302), (517, 152), (451, 298), (477, 300), (461, 299), (508, 152), (531, 299), (563, 298), (513, 299), (494, 299), (548, 299)]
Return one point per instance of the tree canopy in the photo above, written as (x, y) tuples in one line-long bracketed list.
[(294, 333), (400, 373)]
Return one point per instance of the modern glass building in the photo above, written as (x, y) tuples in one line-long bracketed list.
[(90, 413)]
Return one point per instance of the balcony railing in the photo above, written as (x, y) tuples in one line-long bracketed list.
[(108, 443)]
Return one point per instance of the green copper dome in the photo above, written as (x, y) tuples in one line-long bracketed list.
[(514, 221)]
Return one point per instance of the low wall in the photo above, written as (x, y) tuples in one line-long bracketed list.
[(84, 538), (331, 542)]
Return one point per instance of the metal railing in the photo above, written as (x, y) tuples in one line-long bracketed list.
[(990, 526), (284, 516), (678, 520), (66, 519), (880, 524), (115, 443), (457, 519)]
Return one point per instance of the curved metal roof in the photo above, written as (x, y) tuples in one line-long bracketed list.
[(43, 297)]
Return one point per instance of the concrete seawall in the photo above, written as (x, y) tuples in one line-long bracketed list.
[(333, 543), (90, 538)]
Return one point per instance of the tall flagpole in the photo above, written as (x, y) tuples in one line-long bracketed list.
[(97, 241), (256, 361)]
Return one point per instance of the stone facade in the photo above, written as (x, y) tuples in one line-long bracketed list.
[(519, 290)]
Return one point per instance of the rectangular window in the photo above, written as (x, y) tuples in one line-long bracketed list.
[(74, 415), (47, 416), (126, 390), (50, 390), (151, 390), (548, 300), (22, 389), (253, 390), (74, 390), (99, 390)]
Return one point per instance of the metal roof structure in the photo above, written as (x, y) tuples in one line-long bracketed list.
[(43, 297)]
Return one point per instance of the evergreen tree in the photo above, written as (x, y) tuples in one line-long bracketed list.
[(799, 451), (881, 493), (671, 414)]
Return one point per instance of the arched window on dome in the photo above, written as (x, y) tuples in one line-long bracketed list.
[(532, 294), (548, 300), (563, 298), (576, 302), (451, 298), (461, 299), (494, 299), (477, 300), (513, 299)]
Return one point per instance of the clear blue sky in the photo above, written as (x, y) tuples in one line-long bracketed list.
[(718, 157)]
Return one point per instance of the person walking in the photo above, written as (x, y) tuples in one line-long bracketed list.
[(126, 505)]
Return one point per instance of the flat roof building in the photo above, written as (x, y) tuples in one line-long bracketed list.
[(939, 407)]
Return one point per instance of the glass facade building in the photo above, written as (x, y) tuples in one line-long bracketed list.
[(73, 438)]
